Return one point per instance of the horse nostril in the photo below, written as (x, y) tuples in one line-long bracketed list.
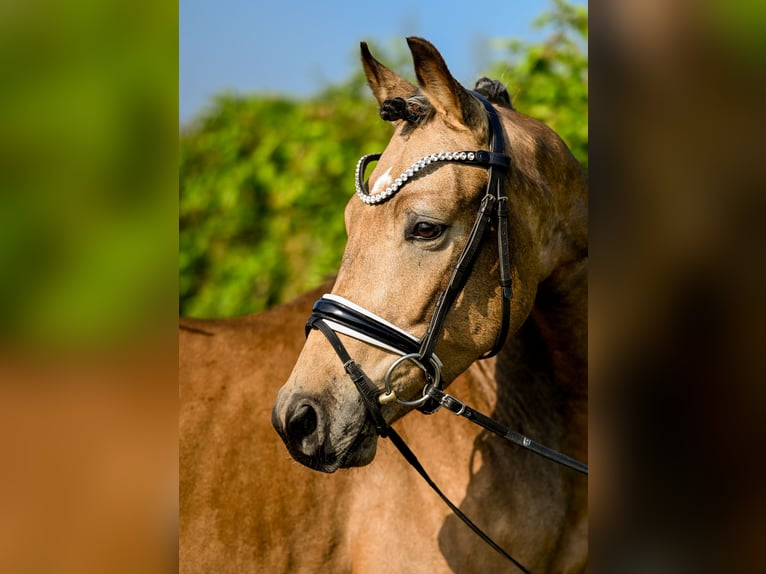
[(302, 422)]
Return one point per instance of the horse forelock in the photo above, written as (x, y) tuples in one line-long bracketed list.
[(417, 109), (495, 91)]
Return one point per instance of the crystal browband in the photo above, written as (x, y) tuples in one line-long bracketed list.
[(481, 157)]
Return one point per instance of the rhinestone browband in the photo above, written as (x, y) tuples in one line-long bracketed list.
[(481, 157)]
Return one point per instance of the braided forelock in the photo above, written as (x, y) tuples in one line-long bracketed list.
[(415, 110), (495, 91)]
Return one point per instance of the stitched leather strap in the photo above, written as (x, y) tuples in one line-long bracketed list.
[(461, 409), (494, 199), (459, 277)]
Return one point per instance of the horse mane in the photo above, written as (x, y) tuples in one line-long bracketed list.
[(495, 91), (416, 109)]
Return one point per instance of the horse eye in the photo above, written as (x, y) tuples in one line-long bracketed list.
[(426, 230)]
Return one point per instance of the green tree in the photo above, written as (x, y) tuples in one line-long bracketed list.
[(263, 185), (264, 180), (549, 80)]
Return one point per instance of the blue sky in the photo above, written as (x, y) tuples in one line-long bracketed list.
[(296, 47)]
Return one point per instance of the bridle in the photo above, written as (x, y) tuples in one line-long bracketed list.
[(333, 314)]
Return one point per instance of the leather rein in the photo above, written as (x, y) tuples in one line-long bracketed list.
[(333, 314)]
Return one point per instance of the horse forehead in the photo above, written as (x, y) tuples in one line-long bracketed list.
[(382, 181), (403, 151), (441, 188)]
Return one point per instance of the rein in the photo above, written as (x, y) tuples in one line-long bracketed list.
[(333, 314)]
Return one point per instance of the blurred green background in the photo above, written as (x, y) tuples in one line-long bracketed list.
[(88, 178), (264, 180)]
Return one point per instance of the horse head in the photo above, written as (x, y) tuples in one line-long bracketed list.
[(408, 230)]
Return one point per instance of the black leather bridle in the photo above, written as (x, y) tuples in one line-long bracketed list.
[(333, 314), (338, 314)]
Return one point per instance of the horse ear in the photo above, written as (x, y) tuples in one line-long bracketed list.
[(443, 91), (384, 83)]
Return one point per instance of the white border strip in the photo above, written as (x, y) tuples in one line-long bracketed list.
[(366, 338)]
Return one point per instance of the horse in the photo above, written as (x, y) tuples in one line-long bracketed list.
[(420, 278), (247, 506)]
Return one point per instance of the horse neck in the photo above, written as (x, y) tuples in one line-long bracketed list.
[(541, 373), (561, 319)]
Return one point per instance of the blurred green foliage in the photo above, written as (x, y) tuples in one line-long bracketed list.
[(263, 185), (264, 180), (88, 174), (549, 80)]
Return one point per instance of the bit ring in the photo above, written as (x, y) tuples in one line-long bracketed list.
[(385, 398)]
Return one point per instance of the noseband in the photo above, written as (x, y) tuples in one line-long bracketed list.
[(333, 314)]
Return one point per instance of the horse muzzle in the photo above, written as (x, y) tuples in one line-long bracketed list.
[(305, 427), (327, 430)]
